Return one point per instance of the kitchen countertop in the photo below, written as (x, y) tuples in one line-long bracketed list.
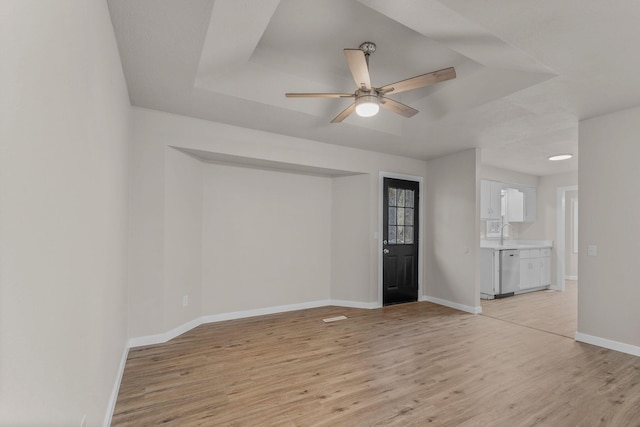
[(515, 244)]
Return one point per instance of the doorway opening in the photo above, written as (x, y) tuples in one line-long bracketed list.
[(550, 310), (566, 236)]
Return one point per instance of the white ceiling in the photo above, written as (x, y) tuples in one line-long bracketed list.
[(528, 70)]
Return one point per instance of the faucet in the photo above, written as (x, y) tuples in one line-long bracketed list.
[(502, 233)]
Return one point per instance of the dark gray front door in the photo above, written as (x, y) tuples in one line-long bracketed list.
[(400, 241)]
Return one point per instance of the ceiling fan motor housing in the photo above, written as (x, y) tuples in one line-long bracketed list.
[(368, 48)]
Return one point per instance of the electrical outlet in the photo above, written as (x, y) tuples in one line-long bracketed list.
[(592, 250), (84, 421), (185, 300)]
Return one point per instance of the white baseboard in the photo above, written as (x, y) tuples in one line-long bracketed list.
[(610, 344), (166, 336), (571, 277), (451, 304), (354, 304), (262, 311), (116, 389)]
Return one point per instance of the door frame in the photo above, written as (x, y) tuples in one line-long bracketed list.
[(561, 212), (380, 232)]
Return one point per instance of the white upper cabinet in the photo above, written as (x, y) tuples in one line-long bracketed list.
[(516, 202), (514, 199), (490, 199)]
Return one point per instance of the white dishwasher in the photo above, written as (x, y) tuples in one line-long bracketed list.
[(509, 272)]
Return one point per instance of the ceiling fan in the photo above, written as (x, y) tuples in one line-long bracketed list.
[(368, 99)]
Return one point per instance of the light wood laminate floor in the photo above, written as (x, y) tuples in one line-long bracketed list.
[(548, 310), (406, 365)]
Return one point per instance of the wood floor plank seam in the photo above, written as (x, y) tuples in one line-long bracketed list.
[(527, 326)]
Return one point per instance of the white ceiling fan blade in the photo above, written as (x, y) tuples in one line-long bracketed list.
[(397, 107), (345, 113), (359, 68), (419, 81), (319, 95)]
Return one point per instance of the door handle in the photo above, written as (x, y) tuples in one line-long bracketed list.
[(385, 251)]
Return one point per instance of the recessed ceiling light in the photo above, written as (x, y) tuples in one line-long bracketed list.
[(560, 157)]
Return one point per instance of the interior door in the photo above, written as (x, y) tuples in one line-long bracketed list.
[(400, 241)]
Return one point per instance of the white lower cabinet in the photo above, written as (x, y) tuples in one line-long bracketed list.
[(535, 271), (535, 268), (545, 269)]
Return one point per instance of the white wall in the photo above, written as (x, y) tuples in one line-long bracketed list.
[(266, 238), (452, 223), (63, 212), (504, 175), (183, 227), (353, 199), (350, 228), (609, 211), (146, 235)]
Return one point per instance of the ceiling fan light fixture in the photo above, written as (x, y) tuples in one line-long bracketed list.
[(560, 157), (369, 99), (367, 105)]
